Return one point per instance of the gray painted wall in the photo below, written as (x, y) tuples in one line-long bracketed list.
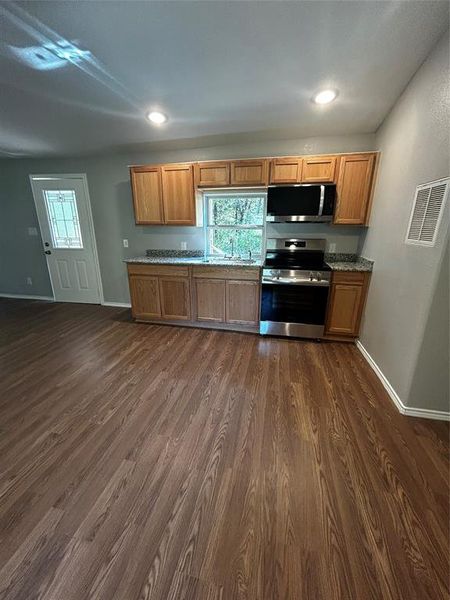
[(401, 329), (109, 186)]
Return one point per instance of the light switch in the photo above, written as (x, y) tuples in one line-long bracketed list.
[(125, 243), (32, 231), (332, 248)]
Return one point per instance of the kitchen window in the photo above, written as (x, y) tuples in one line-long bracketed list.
[(234, 223)]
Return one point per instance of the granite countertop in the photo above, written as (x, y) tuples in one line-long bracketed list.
[(348, 262), (337, 262), (188, 257)]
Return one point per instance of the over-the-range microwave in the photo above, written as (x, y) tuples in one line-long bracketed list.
[(304, 202)]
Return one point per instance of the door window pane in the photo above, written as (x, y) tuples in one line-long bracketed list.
[(63, 218)]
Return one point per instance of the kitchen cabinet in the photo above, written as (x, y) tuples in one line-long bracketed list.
[(354, 188), (163, 194), (212, 174), (159, 292), (178, 194), (286, 170), (242, 302), (210, 294), (250, 172), (147, 195), (144, 293), (228, 294), (221, 296), (175, 298), (346, 303), (319, 169)]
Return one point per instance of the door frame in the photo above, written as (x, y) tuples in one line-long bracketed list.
[(83, 177)]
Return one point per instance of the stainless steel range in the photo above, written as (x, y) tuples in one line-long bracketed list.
[(295, 285)]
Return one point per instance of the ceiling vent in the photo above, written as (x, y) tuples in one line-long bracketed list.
[(426, 215)]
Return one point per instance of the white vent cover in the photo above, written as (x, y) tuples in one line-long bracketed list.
[(427, 211)]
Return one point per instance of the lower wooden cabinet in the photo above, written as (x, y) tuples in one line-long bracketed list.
[(175, 298), (242, 302), (210, 300), (144, 292), (346, 304), (159, 292), (226, 296)]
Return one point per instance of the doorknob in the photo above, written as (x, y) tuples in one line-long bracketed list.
[(47, 252)]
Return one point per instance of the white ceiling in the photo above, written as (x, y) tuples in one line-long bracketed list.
[(216, 68)]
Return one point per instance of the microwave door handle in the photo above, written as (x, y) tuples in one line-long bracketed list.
[(322, 199)]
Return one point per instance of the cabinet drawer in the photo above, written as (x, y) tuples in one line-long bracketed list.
[(163, 270), (241, 273), (351, 277)]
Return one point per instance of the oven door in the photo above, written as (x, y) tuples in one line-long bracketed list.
[(296, 310)]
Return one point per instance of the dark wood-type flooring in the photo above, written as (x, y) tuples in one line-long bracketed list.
[(156, 462)]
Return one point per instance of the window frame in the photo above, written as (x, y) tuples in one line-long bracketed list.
[(207, 227)]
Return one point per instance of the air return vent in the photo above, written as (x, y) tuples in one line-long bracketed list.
[(426, 215)]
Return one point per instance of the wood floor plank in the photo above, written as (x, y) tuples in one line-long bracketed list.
[(147, 462)]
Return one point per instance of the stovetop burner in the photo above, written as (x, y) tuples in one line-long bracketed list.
[(296, 254)]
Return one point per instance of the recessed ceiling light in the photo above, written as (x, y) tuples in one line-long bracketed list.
[(157, 117), (325, 97)]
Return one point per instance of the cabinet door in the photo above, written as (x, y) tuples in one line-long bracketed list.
[(212, 174), (144, 292), (354, 188), (242, 302), (249, 172), (319, 169), (210, 294), (286, 170), (147, 195), (178, 194), (175, 298), (345, 309)]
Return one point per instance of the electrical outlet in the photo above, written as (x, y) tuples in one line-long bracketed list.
[(183, 245), (332, 248), (29, 281), (125, 243)]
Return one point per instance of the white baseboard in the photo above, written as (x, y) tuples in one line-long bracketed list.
[(402, 408), (27, 297), (117, 304)]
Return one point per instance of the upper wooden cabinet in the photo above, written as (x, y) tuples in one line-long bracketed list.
[(212, 174), (286, 170), (178, 194), (354, 189), (147, 195), (319, 169), (249, 172), (165, 194)]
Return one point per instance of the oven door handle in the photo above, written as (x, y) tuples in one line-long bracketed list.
[(305, 282)]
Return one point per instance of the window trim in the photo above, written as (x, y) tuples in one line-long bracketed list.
[(257, 192)]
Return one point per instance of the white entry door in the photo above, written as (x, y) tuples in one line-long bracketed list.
[(65, 220)]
